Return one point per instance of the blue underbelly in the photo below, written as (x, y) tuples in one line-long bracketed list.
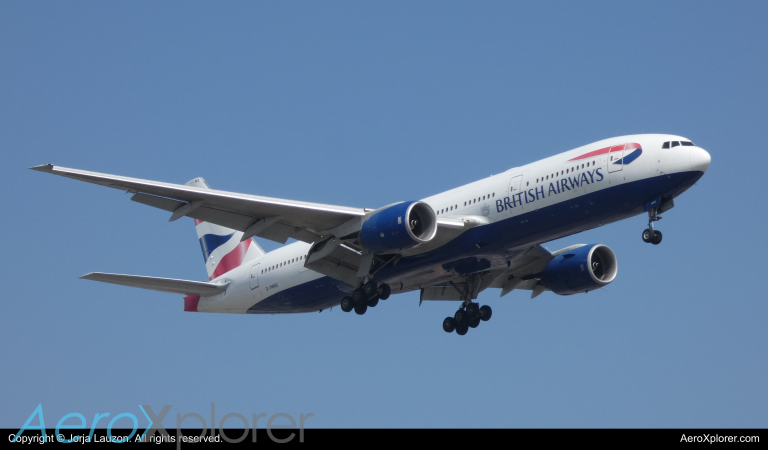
[(470, 251)]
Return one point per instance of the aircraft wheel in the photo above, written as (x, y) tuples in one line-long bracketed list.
[(361, 309), (474, 322), (657, 239), (461, 318), (473, 310), (461, 330), (384, 291), (372, 302), (449, 324), (485, 313), (370, 289), (648, 235), (358, 296), (347, 304)]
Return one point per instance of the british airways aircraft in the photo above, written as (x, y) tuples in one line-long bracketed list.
[(450, 246)]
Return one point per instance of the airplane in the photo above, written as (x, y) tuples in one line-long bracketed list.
[(450, 246)]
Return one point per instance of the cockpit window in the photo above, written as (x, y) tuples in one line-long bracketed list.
[(676, 143)]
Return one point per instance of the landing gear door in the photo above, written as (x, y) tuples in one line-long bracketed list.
[(616, 159), (254, 276)]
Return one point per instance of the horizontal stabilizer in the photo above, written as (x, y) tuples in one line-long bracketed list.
[(186, 287)]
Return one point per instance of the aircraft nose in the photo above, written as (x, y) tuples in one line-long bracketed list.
[(700, 159)]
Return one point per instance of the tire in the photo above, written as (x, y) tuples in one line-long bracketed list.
[(361, 309), (473, 310), (384, 291), (485, 313), (372, 302), (461, 318), (449, 325), (657, 239), (370, 289), (474, 322), (347, 304), (461, 330), (358, 296), (647, 235)]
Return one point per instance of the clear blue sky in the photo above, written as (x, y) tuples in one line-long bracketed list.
[(364, 104)]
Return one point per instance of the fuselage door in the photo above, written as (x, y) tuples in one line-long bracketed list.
[(616, 159), (515, 191), (254, 276)]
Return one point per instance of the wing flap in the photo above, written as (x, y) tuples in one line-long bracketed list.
[(172, 285)]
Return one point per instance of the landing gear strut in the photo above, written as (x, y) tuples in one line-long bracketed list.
[(650, 235), (367, 295), (468, 316)]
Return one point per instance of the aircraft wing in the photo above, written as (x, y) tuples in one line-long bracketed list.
[(270, 218), (186, 287)]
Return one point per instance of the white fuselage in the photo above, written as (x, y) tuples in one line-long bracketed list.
[(507, 197)]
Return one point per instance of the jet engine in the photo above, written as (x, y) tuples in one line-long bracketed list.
[(398, 227), (582, 269)]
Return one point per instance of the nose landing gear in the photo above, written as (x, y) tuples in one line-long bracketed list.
[(650, 235)]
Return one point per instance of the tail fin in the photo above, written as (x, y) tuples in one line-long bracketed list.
[(221, 246)]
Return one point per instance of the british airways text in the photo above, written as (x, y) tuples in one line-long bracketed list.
[(556, 187)]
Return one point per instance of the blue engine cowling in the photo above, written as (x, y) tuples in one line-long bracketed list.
[(398, 227), (582, 269)]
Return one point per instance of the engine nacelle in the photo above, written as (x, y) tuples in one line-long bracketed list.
[(581, 270), (398, 227)]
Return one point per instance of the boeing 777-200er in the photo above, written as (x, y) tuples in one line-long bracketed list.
[(450, 246)]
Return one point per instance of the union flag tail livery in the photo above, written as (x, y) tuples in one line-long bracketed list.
[(223, 249), (451, 246)]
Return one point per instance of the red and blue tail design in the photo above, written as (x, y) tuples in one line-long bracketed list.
[(222, 248)]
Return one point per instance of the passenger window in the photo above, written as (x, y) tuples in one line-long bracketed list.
[(666, 145), (675, 144), (687, 143)]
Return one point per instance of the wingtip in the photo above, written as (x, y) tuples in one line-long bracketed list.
[(87, 276), (43, 168)]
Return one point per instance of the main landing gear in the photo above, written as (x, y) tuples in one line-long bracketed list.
[(650, 235), (468, 316), (365, 296)]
